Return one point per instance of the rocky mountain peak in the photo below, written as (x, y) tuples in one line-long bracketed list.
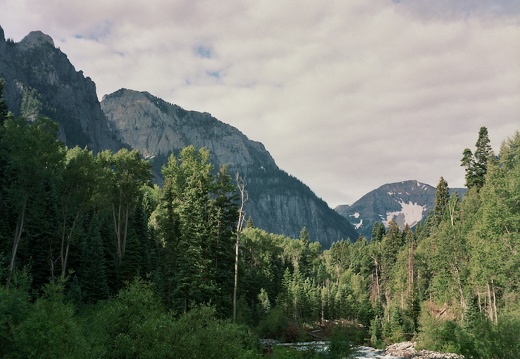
[(157, 128), (39, 80), (36, 38), (406, 202)]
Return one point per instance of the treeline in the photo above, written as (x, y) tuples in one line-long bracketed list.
[(96, 259)]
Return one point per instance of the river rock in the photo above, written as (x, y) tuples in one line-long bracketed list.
[(407, 350)]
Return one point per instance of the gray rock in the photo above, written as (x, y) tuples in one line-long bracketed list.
[(40, 80)]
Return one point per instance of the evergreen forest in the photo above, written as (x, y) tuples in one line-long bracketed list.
[(98, 262)]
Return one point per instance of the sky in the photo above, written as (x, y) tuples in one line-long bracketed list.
[(346, 95)]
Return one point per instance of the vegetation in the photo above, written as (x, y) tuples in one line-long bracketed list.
[(98, 262)]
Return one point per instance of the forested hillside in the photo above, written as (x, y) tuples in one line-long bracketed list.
[(97, 262)]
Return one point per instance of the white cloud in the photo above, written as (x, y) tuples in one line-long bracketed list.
[(346, 96)]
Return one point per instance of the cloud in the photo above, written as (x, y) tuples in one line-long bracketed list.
[(346, 96)]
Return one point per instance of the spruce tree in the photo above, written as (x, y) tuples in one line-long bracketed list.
[(476, 163), (442, 197)]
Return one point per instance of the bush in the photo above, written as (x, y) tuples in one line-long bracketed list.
[(477, 338), (198, 334), (136, 325), (342, 342), (50, 330), (274, 325), (14, 308)]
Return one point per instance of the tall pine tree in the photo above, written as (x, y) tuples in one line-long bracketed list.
[(476, 163)]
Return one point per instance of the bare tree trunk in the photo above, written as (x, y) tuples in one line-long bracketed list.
[(490, 306), (494, 300), (125, 234), (64, 252), (241, 184), (378, 289), (411, 274), (117, 226), (17, 238), (461, 291)]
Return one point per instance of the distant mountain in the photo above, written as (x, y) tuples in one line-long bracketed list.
[(407, 202), (40, 80), (278, 202)]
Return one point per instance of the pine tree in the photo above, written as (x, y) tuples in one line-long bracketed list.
[(35, 156), (378, 231), (92, 273), (442, 198), (476, 163)]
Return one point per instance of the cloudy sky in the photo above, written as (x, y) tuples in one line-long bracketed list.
[(346, 95)]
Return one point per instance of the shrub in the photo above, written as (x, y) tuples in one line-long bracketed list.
[(50, 330)]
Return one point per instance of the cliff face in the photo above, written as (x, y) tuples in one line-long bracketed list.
[(278, 202), (157, 128), (40, 80)]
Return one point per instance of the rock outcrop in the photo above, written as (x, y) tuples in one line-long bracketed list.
[(40, 80), (407, 350)]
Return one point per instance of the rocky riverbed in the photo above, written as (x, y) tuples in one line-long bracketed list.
[(407, 350), (404, 350)]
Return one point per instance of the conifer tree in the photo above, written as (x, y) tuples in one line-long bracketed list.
[(35, 156), (442, 198), (92, 273), (476, 163), (378, 231)]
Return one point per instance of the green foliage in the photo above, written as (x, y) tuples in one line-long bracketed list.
[(342, 342), (476, 163), (94, 223), (200, 335), (274, 325), (50, 330), (14, 308)]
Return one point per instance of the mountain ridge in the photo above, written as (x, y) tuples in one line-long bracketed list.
[(405, 202), (278, 202), (40, 80)]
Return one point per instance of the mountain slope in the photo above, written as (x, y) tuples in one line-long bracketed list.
[(40, 80), (278, 202), (406, 202)]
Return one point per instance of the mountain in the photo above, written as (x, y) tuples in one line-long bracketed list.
[(278, 202), (40, 80), (406, 202)]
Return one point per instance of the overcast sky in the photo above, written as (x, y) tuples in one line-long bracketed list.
[(346, 95)]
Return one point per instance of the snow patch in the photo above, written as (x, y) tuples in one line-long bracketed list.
[(411, 214), (357, 226)]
